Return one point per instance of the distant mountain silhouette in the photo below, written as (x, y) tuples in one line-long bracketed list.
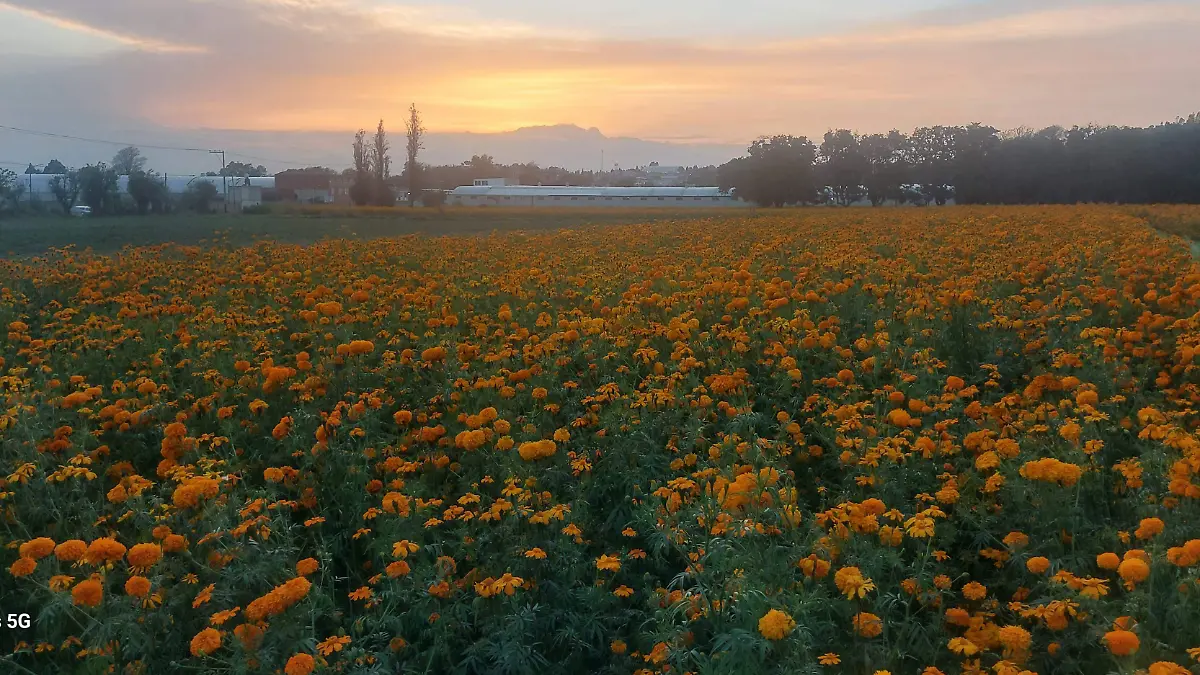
[(574, 147), (566, 145)]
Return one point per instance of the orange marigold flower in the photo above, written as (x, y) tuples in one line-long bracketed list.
[(137, 586), (333, 644), (1037, 565), (1149, 527), (850, 581), (659, 653), (1121, 642), (299, 664), (278, 599), (434, 354), (307, 566), (1016, 640), (1108, 561), (1133, 570), (24, 566), (608, 563), (250, 635), (867, 625), (1167, 668), (775, 625), (974, 591), (37, 548), (105, 549), (398, 568), (962, 646), (70, 550), (144, 555), (87, 593), (206, 642), (173, 543)]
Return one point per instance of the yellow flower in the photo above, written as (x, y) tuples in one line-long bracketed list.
[(333, 644), (850, 581), (963, 646)]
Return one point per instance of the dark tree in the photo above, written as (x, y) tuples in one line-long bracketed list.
[(972, 145), (200, 196), (931, 152), (11, 190), (381, 164), (128, 161), (31, 169), (65, 188), (243, 170), (148, 192), (775, 172), (887, 167), (415, 133), (360, 190), (55, 168), (98, 189), (482, 166), (844, 168)]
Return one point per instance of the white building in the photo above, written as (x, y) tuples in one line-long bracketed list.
[(557, 195), (243, 193), (37, 186)]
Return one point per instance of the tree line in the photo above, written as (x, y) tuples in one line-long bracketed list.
[(974, 164), (97, 186)]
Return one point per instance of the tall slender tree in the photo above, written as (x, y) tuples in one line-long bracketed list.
[(416, 133), (381, 164), (360, 190)]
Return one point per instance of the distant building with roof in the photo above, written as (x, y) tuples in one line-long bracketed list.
[(494, 192), (38, 187)]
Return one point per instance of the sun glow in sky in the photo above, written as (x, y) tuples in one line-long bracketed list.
[(704, 70)]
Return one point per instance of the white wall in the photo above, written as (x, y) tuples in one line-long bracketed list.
[(595, 202)]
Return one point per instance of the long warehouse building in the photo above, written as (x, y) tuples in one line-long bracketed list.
[(37, 187), (498, 194)]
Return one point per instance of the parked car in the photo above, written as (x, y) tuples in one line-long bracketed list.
[(81, 211)]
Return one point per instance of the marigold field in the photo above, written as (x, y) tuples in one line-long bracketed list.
[(955, 440)]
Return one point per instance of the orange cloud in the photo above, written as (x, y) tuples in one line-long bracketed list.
[(341, 64)]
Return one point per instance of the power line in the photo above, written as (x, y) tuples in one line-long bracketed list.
[(48, 134), (268, 159), (98, 140)]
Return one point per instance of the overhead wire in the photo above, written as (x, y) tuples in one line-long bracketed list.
[(148, 146)]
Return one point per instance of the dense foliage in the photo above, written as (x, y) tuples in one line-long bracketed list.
[(816, 442), (977, 164)]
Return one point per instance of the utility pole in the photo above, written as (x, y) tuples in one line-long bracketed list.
[(224, 184)]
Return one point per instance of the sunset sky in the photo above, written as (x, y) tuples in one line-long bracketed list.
[(712, 71)]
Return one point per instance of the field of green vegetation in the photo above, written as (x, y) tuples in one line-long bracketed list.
[(28, 236)]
